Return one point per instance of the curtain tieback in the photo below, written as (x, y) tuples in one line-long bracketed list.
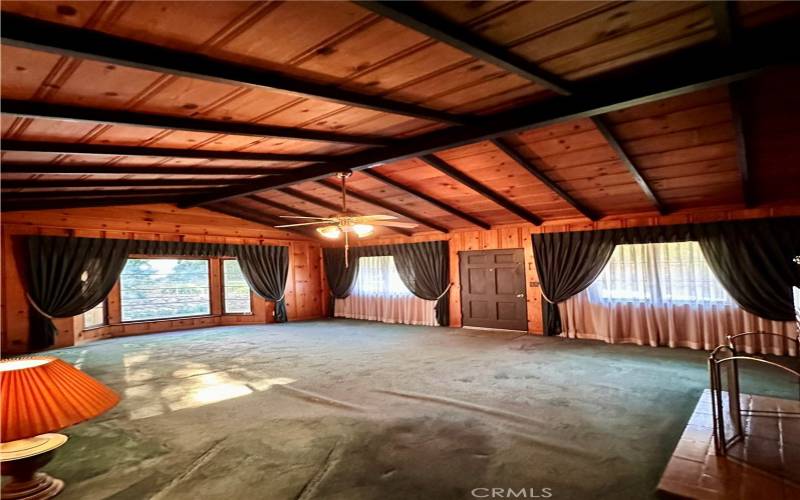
[(38, 309), (445, 291), (281, 297), (545, 296)]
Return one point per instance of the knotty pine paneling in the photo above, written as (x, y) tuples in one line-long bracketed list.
[(306, 292)]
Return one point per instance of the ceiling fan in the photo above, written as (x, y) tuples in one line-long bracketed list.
[(346, 222)]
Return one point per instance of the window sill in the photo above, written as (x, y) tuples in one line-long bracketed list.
[(161, 320), (96, 327)]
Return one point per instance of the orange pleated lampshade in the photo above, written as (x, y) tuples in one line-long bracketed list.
[(45, 394)]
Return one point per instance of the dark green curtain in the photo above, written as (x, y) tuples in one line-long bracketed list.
[(67, 277), (567, 263), (425, 270), (266, 268), (340, 278), (753, 261)]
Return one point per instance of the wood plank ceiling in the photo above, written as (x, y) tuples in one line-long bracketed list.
[(452, 114)]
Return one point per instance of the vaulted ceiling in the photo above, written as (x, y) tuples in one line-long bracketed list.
[(450, 114)]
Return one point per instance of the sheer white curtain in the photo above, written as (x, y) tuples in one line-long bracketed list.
[(380, 295), (664, 294)]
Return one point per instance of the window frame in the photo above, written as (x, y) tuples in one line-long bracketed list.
[(172, 318), (222, 291), (105, 317)]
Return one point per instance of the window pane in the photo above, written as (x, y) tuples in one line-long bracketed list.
[(237, 292), (164, 288), (96, 316), (379, 276)]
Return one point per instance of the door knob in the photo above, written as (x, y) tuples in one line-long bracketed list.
[(520, 295)]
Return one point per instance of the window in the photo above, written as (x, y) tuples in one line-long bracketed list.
[(95, 316), (236, 291), (659, 273), (380, 295), (378, 276), (164, 288)]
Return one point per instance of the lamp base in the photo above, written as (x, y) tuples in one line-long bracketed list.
[(21, 459), (39, 487)]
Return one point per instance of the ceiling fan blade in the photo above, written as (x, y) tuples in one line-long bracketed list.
[(406, 225), (303, 224), (374, 217), (301, 217)]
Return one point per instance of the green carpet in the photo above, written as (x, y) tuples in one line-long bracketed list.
[(356, 410)]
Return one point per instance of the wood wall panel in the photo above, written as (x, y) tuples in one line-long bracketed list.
[(306, 292)]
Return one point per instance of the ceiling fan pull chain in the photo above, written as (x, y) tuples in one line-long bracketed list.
[(346, 250)]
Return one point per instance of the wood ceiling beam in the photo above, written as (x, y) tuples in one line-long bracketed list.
[(528, 165), (722, 12), (113, 150), (108, 193), (629, 165), (35, 34), (333, 207), (280, 206), (676, 74), (481, 189), (728, 35), (429, 199), (738, 99), (50, 111), (303, 213), (413, 15), (262, 219), (88, 183), (84, 169), (8, 205), (373, 200)]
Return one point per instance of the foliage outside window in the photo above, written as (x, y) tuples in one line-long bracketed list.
[(95, 316), (236, 291), (164, 288)]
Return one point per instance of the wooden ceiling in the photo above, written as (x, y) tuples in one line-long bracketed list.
[(451, 114)]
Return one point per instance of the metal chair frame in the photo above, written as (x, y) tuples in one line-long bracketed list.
[(730, 362)]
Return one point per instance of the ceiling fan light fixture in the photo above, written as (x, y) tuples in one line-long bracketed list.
[(330, 232), (363, 230)]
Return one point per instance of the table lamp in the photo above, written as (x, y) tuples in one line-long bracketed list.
[(40, 395)]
